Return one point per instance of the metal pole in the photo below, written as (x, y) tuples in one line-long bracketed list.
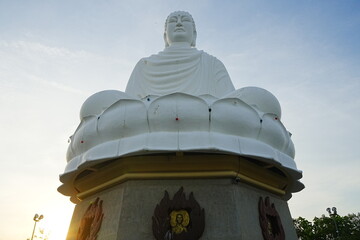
[(32, 236), (336, 228), (333, 215)]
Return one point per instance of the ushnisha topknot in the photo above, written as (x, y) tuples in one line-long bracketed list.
[(193, 43)]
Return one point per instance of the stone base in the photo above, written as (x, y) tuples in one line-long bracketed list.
[(231, 209)]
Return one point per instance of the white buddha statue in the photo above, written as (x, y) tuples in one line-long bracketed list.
[(180, 67), (243, 122)]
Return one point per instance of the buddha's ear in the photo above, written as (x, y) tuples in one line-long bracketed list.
[(193, 43), (165, 40)]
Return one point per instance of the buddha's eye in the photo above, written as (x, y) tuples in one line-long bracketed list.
[(186, 19), (172, 20)]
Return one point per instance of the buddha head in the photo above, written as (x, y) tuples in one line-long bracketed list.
[(179, 219), (180, 28)]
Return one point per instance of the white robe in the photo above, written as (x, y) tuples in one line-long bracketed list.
[(185, 70)]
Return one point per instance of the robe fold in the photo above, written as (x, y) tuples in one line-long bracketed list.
[(185, 70)]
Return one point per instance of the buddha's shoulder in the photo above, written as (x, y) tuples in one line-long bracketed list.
[(211, 58)]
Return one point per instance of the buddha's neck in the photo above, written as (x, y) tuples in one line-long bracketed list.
[(180, 45)]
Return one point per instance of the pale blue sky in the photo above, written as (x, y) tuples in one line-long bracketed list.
[(54, 54)]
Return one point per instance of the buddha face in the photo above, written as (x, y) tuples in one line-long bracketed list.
[(179, 219), (179, 27)]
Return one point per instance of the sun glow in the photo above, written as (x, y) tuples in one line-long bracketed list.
[(55, 224)]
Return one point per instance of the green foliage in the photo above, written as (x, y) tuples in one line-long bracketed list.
[(328, 228)]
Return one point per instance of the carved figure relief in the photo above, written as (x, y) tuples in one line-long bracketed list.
[(179, 218), (91, 221), (270, 221), (179, 221)]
